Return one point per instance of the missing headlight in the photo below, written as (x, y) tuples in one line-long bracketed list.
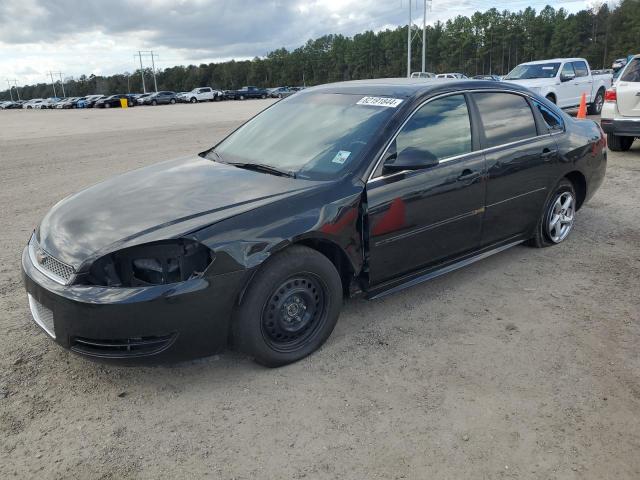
[(151, 264)]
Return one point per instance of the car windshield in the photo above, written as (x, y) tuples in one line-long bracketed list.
[(540, 70), (314, 136)]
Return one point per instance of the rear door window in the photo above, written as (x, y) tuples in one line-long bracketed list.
[(632, 72), (581, 69), (551, 119), (506, 118)]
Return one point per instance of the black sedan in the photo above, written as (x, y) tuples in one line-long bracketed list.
[(113, 101), (160, 98), (356, 188)]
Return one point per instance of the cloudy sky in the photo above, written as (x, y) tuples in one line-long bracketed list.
[(101, 36)]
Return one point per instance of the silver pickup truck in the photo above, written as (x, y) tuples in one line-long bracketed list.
[(563, 81)]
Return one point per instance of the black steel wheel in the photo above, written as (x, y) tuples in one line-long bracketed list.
[(290, 308), (293, 312)]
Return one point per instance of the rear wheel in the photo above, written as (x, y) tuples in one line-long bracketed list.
[(596, 106), (241, 97), (107, 105), (618, 143), (193, 100), (551, 98), (172, 101), (290, 308), (154, 103), (558, 217)]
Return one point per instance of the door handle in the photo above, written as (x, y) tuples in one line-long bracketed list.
[(468, 175), (547, 154)]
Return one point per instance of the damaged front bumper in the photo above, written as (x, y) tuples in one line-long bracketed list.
[(182, 320)]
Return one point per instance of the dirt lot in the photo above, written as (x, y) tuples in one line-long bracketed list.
[(524, 365)]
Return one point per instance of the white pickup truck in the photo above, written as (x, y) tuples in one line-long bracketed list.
[(563, 81), (202, 94)]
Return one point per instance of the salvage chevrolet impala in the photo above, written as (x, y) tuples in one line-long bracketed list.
[(355, 188)]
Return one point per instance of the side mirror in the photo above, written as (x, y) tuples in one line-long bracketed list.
[(567, 77), (411, 158)]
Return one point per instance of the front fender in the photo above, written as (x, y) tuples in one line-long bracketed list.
[(331, 214)]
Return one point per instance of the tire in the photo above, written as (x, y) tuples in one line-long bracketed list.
[(193, 100), (107, 105), (551, 98), (263, 96), (547, 235), (172, 101), (295, 280), (596, 106), (619, 144), (241, 97), (154, 103)]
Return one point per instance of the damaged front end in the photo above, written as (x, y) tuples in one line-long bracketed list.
[(157, 263)]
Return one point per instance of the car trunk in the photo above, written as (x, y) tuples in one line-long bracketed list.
[(628, 90)]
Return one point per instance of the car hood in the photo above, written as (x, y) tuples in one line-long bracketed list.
[(165, 200), (533, 82)]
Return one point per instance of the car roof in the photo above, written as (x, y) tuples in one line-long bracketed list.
[(554, 60), (408, 87)]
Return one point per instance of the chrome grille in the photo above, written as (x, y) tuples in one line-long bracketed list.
[(42, 315), (50, 266)]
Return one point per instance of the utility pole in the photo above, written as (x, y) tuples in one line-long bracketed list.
[(15, 84), (144, 89), (61, 83), (427, 6), (10, 90), (53, 85), (409, 42), (149, 53)]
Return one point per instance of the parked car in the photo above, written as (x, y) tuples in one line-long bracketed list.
[(494, 78), (160, 98), (8, 104), (563, 81), (454, 76), (140, 99), (619, 63), (30, 104), (353, 188), (246, 92), (113, 101), (49, 103), (202, 94), (281, 92), (423, 75), (89, 101), (67, 103), (620, 118)]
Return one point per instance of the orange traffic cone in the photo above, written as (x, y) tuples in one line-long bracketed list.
[(582, 111)]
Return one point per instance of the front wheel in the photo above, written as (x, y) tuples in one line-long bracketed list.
[(172, 101), (290, 308), (154, 103), (107, 105), (558, 217), (193, 100), (618, 143)]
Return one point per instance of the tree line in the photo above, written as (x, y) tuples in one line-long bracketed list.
[(486, 42)]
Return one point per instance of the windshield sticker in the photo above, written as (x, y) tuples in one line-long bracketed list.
[(341, 157), (548, 68), (380, 101)]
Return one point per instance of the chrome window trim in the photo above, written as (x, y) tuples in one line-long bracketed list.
[(372, 179)]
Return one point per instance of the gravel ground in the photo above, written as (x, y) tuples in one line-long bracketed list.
[(524, 365)]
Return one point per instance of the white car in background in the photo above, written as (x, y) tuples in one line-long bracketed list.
[(33, 103), (458, 76), (423, 75), (563, 81), (620, 118), (202, 94)]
